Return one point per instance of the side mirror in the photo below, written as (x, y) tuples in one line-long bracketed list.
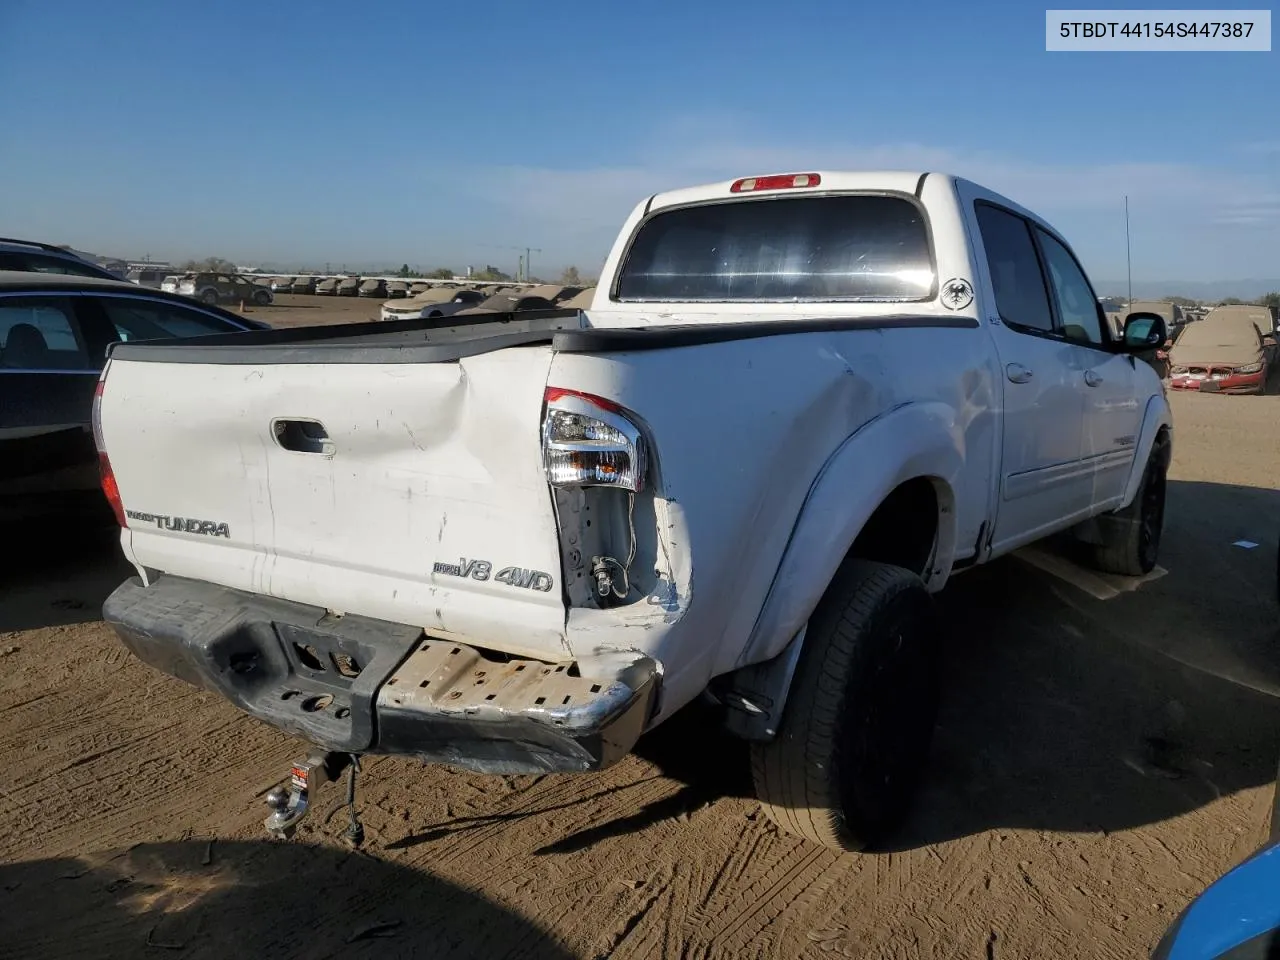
[(1144, 331)]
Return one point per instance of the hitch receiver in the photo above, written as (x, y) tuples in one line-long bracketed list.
[(289, 805)]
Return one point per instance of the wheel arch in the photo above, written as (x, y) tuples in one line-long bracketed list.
[(1157, 427), (888, 494)]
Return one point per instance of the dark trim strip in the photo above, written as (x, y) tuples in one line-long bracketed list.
[(409, 341), (648, 205), (972, 560), (389, 341), (920, 185), (668, 337)]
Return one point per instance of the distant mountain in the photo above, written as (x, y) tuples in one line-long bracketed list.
[(1206, 290)]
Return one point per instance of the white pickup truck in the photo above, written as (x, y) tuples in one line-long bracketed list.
[(797, 405)]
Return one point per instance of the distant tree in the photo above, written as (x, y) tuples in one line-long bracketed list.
[(1180, 301), (490, 272), (209, 265), (1230, 301), (1271, 300), (442, 273), (570, 277), (403, 271)]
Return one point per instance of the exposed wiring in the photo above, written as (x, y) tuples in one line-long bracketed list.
[(600, 565)]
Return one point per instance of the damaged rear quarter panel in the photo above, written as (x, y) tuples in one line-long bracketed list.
[(740, 430)]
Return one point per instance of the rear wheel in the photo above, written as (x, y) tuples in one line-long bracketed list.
[(261, 298), (859, 718), (209, 296), (1131, 537)]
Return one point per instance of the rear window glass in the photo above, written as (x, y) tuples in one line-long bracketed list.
[(856, 247)]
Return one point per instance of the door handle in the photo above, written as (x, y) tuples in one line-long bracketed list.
[(1091, 378), (302, 436), (1017, 373)]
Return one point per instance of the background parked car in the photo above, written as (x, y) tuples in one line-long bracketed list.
[(1232, 350), (31, 256), (418, 287), (54, 332), (281, 284), (214, 288), (147, 278), (580, 301), (433, 303), (303, 285), (397, 290), (327, 287), (373, 288), (508, 303), (348, 287)]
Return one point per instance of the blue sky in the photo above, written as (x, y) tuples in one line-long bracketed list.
[(397, 131)]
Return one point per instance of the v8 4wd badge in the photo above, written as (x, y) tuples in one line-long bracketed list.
[(512, 576)]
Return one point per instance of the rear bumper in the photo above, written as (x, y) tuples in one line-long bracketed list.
[(358, 685)]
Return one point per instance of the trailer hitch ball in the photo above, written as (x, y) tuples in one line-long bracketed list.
[(290, 803)]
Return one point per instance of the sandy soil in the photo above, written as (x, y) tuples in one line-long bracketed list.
[(305, 310), (1097, 763)]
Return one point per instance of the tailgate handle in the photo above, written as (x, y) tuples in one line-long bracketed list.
[(302, 436)]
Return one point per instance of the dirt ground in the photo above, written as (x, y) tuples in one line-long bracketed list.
[(1097, 763), (304, 310)]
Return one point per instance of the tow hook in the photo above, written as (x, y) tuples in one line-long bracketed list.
[(290, 804)]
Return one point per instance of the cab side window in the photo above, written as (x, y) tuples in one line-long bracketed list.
[(1077, 306), (1021, 297)]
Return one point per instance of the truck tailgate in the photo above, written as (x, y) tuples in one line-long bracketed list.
[(399, 491)]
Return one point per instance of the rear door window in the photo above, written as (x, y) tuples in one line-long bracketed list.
[(1022, 299), (860, 247), (41, 333)]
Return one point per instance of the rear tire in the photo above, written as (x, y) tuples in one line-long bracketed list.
[(210, 297), (1131, 537), (261, 298), (859, 719)]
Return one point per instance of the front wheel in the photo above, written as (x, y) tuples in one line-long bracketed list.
[(859, 719), (1131, 536)]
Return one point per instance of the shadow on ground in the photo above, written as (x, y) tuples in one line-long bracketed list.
[(250, 899), (63, 570), (1067, 713)]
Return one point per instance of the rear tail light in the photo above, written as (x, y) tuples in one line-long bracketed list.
[(588, 441), (108, 479), (782, 181)]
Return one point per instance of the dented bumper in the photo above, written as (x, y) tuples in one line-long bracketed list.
[(358, 685)]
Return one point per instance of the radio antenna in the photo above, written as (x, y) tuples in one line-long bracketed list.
[(1128, 255)]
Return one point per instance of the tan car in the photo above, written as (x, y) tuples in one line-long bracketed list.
[(348, 287), (580, 301), (508, 303)]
